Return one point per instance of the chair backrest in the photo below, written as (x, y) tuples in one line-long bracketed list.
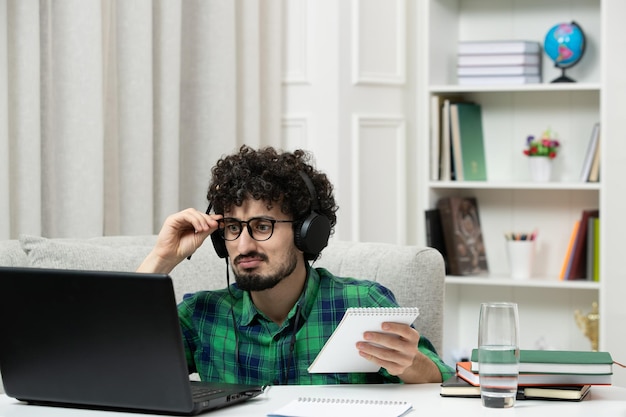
[(414, 274)]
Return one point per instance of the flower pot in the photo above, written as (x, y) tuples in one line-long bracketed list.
[(540, 168)]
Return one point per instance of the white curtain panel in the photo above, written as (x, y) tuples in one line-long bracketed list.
[(112, 112)]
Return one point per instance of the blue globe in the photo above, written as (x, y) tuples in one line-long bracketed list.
[(565, 44)]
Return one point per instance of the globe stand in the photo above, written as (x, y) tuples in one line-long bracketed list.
[(563, 78)]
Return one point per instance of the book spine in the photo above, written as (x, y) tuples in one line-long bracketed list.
[(590, 154), (434, 234), (498, 60), (568, 253), (435, 137), (499, 70), (579, 256), (447, 224), (498, 80), (596, 249), (455, 134), (594, 174), (590, 247), (445, 168), (498, 47)]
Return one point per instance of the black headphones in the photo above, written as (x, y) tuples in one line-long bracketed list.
[(310, 235)]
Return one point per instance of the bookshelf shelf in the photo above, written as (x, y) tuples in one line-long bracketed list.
[(534, 282), (514, 185), (536, 88)]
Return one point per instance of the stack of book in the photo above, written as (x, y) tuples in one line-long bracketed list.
[(499, 62), (549, 374)]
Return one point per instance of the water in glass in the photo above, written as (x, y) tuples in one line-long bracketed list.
[(498, 375)]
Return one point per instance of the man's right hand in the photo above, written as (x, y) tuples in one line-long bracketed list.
[(181, 234)]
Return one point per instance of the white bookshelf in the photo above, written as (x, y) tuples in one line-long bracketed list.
[(509, 200)]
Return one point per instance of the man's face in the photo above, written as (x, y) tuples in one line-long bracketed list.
[(261, 265)]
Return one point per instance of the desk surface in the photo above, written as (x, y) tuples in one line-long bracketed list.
[(601, 401)]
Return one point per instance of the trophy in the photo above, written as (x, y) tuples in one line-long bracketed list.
[(589, 324)]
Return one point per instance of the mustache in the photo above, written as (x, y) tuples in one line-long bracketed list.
[(261, 256)]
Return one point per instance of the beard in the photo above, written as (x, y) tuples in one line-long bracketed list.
[(249, 280)]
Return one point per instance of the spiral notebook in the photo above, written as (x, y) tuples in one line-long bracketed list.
[(315, 406), (340, 354)]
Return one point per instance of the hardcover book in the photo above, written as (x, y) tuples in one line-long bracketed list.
[(497, 47), (559, 361), (458, 387), (527, 379), (467, 140), (567, 261), (594, 173), (463, 237), (590, 153), (435, 136), (596, 249), (500, 80), (499, 70), (445, 154), (434, 234), (499, 60)]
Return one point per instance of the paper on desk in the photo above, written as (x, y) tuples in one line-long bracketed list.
[(316, 406)]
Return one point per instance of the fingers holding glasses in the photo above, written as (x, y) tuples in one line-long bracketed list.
[(185, 231), (204, 222)]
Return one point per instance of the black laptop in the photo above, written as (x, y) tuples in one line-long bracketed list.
[(100, 340)]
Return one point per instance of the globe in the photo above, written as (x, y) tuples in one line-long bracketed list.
[(565, 45)]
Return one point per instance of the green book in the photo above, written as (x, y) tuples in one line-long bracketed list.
[(596, 249), (590, 248), (560, 362), (471, 140)]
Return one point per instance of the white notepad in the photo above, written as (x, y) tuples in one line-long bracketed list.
[(340, 354), (313, 406)]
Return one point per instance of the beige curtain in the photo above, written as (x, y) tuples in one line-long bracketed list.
[(112, 112)]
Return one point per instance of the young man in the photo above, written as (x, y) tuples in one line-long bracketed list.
[(273, 214)]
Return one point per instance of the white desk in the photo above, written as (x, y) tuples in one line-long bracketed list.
[(602, 401)]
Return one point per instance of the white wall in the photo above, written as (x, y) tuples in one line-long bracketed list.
[(347, 98)]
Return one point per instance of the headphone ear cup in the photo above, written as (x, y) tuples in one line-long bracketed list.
[(219, 244), (312, 234)]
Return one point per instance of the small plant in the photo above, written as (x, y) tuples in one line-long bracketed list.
[(544, 146)]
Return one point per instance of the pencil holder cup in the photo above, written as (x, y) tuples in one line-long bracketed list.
[(521, 255)]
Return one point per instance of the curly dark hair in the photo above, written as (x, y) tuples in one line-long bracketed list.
[(271, 176)]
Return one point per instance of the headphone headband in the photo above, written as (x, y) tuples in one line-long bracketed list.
[(315, 204)]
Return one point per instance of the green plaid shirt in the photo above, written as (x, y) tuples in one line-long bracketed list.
[(258, 351)]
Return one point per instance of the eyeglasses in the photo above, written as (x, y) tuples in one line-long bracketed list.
[(259, 228)]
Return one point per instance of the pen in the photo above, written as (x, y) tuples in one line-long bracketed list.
[(521, 236)]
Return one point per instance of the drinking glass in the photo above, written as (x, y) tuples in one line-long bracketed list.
[(498, 354)]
